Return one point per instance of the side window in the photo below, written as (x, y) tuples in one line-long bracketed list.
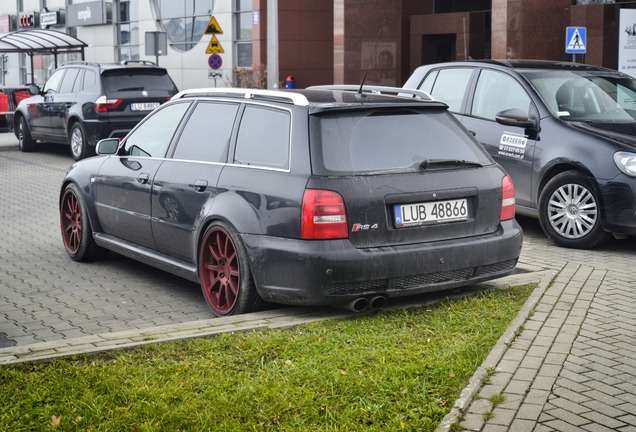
[(206, 136), (69, 80), (79, 82), (89, 79), (53, 83), (153, 136), (450, 87), (427, 84), (496, 92), (263, 138)]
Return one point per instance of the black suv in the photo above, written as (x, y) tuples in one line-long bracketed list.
[(83, 102), (565, 132), (299, 197)]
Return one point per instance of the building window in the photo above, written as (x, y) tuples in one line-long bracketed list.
[(184, 21), (128, 30), (243, 33)]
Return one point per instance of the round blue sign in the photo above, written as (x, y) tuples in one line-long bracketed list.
[(215, 61)]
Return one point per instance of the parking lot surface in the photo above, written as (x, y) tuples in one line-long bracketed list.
[(567, 363)]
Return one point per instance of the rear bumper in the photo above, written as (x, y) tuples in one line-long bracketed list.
[(100, 129), (291, 271)]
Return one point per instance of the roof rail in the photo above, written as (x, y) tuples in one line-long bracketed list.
[(80, 62), (399, 91), (146, 62), (247, 93)]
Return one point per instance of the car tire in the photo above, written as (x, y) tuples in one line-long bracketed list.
[(569, 212), (226, 279), (76, 227), (25, 142), (78, 143)]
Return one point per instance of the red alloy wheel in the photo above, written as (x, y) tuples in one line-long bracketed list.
[(220, 271), (71, 221)]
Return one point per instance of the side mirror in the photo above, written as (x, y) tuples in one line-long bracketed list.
[(34, 90), (107, 146), (515, 117)]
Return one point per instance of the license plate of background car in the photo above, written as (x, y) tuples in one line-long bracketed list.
[(144, 106), (406, 215)]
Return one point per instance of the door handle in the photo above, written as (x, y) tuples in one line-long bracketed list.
[(200, 185), (143, 178)]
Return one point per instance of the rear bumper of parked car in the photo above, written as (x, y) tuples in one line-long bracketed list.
[(332, 271), (98, 130)]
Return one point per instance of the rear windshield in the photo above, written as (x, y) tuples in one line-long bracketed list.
[(378, 141), (119, 80)]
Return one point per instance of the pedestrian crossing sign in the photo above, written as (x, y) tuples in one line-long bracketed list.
[(575, 40)]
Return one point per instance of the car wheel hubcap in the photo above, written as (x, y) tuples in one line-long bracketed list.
[(220, 271), (71, 222), (572, 211), (76, 142)]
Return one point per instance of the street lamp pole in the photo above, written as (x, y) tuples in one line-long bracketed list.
[(272, 44)]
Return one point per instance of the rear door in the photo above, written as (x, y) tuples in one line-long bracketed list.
[(61, 102), (406, 175), (124, 184), (186, 182)]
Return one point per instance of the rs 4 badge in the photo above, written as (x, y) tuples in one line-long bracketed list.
[(363, 227)]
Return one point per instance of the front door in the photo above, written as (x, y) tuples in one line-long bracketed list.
[(124, 184), (512, 147)]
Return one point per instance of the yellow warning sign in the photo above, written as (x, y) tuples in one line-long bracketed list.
[(213, 27), (214, 47)]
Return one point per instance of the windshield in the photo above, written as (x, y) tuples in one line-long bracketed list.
[(376, 141), (586, 96)]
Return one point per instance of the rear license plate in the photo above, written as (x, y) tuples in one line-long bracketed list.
[(430, 212), (144, 106)]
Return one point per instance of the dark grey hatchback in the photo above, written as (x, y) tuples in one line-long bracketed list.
[(297, 197), (565, 132)]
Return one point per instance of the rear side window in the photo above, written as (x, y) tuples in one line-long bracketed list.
[(69, 80), (379, 141), (117, 80), (206, 136), (450, 87), (263, 138)]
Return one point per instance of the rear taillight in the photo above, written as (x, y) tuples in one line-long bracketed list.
[(507, 199), (103, 105), (323, 215)]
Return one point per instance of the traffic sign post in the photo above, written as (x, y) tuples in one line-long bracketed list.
[(575, 41)]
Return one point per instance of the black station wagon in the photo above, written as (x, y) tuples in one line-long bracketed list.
[(565, 132), (306, 197)]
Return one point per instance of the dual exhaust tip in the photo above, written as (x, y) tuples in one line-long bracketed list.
[(361, 304)]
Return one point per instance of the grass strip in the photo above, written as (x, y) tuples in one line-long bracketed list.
[(388, 371)]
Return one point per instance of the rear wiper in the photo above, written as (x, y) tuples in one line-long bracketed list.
[(130, 88), (441, 163)]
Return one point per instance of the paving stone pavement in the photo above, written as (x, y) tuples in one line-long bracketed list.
[(567, 362)]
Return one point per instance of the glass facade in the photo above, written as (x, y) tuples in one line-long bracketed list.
[(243, 33), (128, 30), (184, 21)]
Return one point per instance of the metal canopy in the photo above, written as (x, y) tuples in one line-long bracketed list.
[(40, 42)]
